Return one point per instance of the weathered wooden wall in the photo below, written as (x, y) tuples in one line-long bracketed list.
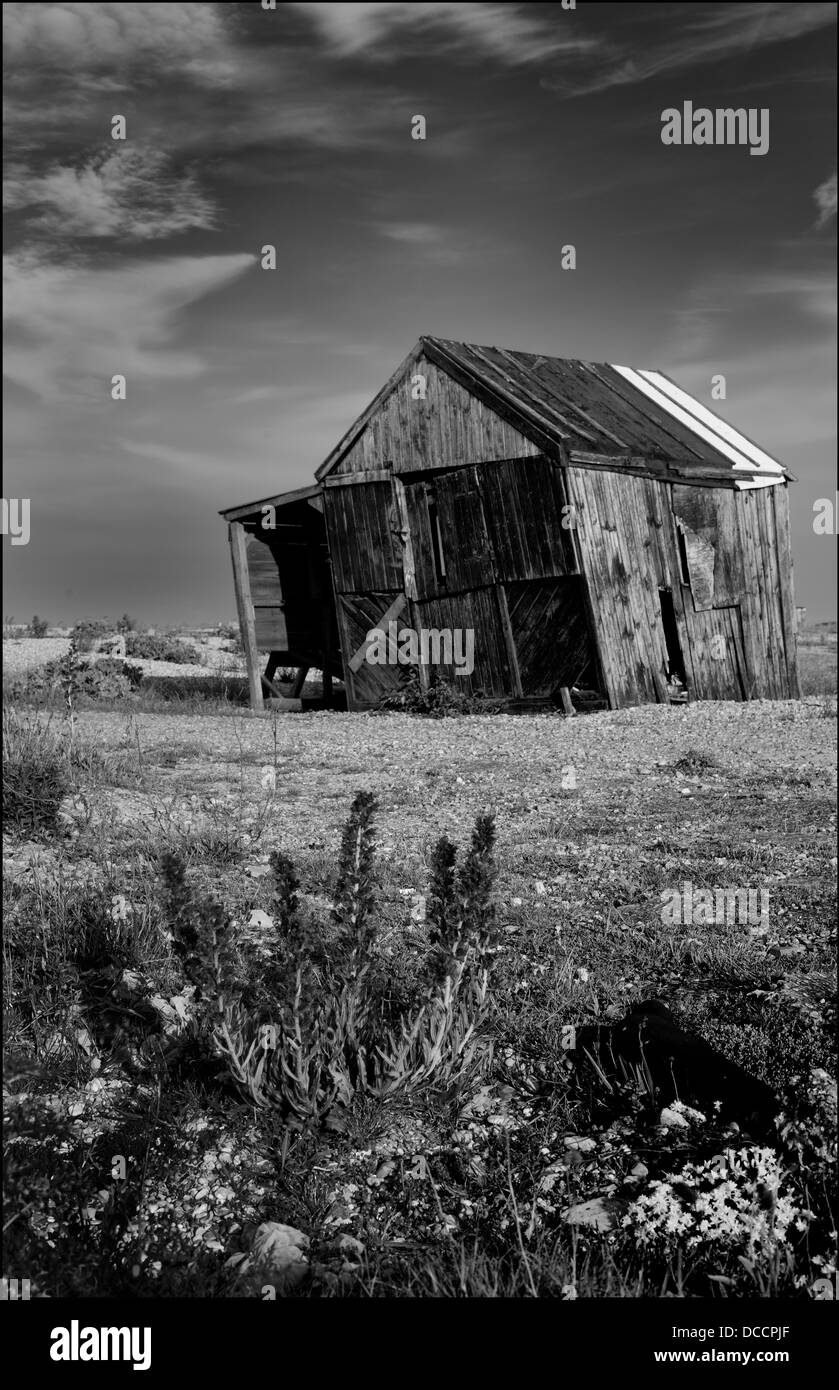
[(511, 574), (449, 427), (735, 616)]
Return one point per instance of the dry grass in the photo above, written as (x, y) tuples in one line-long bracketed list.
[(456, 1192)]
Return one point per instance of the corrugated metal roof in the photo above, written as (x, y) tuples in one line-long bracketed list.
[(616, 414)]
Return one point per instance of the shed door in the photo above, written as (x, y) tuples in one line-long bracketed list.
[(449, 534)]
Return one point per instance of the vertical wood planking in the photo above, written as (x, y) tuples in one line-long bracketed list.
[(241, 583)]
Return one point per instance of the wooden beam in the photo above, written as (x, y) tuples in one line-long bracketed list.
[(369, 475), (244, 604), (565, 697), (699, 472), (279, 499), (299, 682), (509, 640), (408, 566), (358, 658), (409, 574)]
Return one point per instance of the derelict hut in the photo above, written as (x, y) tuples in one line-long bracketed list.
[(594, 526)]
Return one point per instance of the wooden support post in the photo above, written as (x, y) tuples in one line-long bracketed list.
[(565, 697), (509, 641), (299, 682), (408, 568), (244, 604)]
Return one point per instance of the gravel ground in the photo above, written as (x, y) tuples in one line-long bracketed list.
[(25, 653)]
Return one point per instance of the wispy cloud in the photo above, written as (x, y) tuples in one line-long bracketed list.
[(825, 200), (131, 193), (728, 310), (414, 233), (185, 460), (705, 34), (501, 31), (69, 329)]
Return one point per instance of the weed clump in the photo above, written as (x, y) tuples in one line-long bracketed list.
[(435, 701), (314, 1033), (36, 776)]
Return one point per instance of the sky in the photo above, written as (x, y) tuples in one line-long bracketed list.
[(249, 126)]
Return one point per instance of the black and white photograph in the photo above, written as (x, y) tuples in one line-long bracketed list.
[(419, 675)]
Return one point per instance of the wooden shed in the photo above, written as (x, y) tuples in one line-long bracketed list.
[(592, 526)]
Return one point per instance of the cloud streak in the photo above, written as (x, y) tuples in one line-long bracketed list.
[(825, 200), (500, 31), (69, 329), (714, 34)]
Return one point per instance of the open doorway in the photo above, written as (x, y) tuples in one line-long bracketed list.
[(675, 672)]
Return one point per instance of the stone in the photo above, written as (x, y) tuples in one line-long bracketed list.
[(595, 1214), (278, 1253)]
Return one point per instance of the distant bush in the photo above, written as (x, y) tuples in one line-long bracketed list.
[(229, 632), (87, 633), (126, 623), (37, 627), (105, 679), (109, 679), (150, 647)]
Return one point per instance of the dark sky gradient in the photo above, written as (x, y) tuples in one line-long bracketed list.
[(293, 127)]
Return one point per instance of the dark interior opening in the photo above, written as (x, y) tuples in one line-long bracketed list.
[(675, 661)]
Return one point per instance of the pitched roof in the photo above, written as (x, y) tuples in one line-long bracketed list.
[(279, 499), (593, 414)]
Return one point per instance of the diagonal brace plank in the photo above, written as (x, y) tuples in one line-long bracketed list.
[(357, 659)]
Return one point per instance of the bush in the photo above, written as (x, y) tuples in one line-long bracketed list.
[(229, 632), (150, 647), (36, 776), (107, 678), (440, 699), (301, 1022), (87, 633), (126, 623), (37, 627)]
